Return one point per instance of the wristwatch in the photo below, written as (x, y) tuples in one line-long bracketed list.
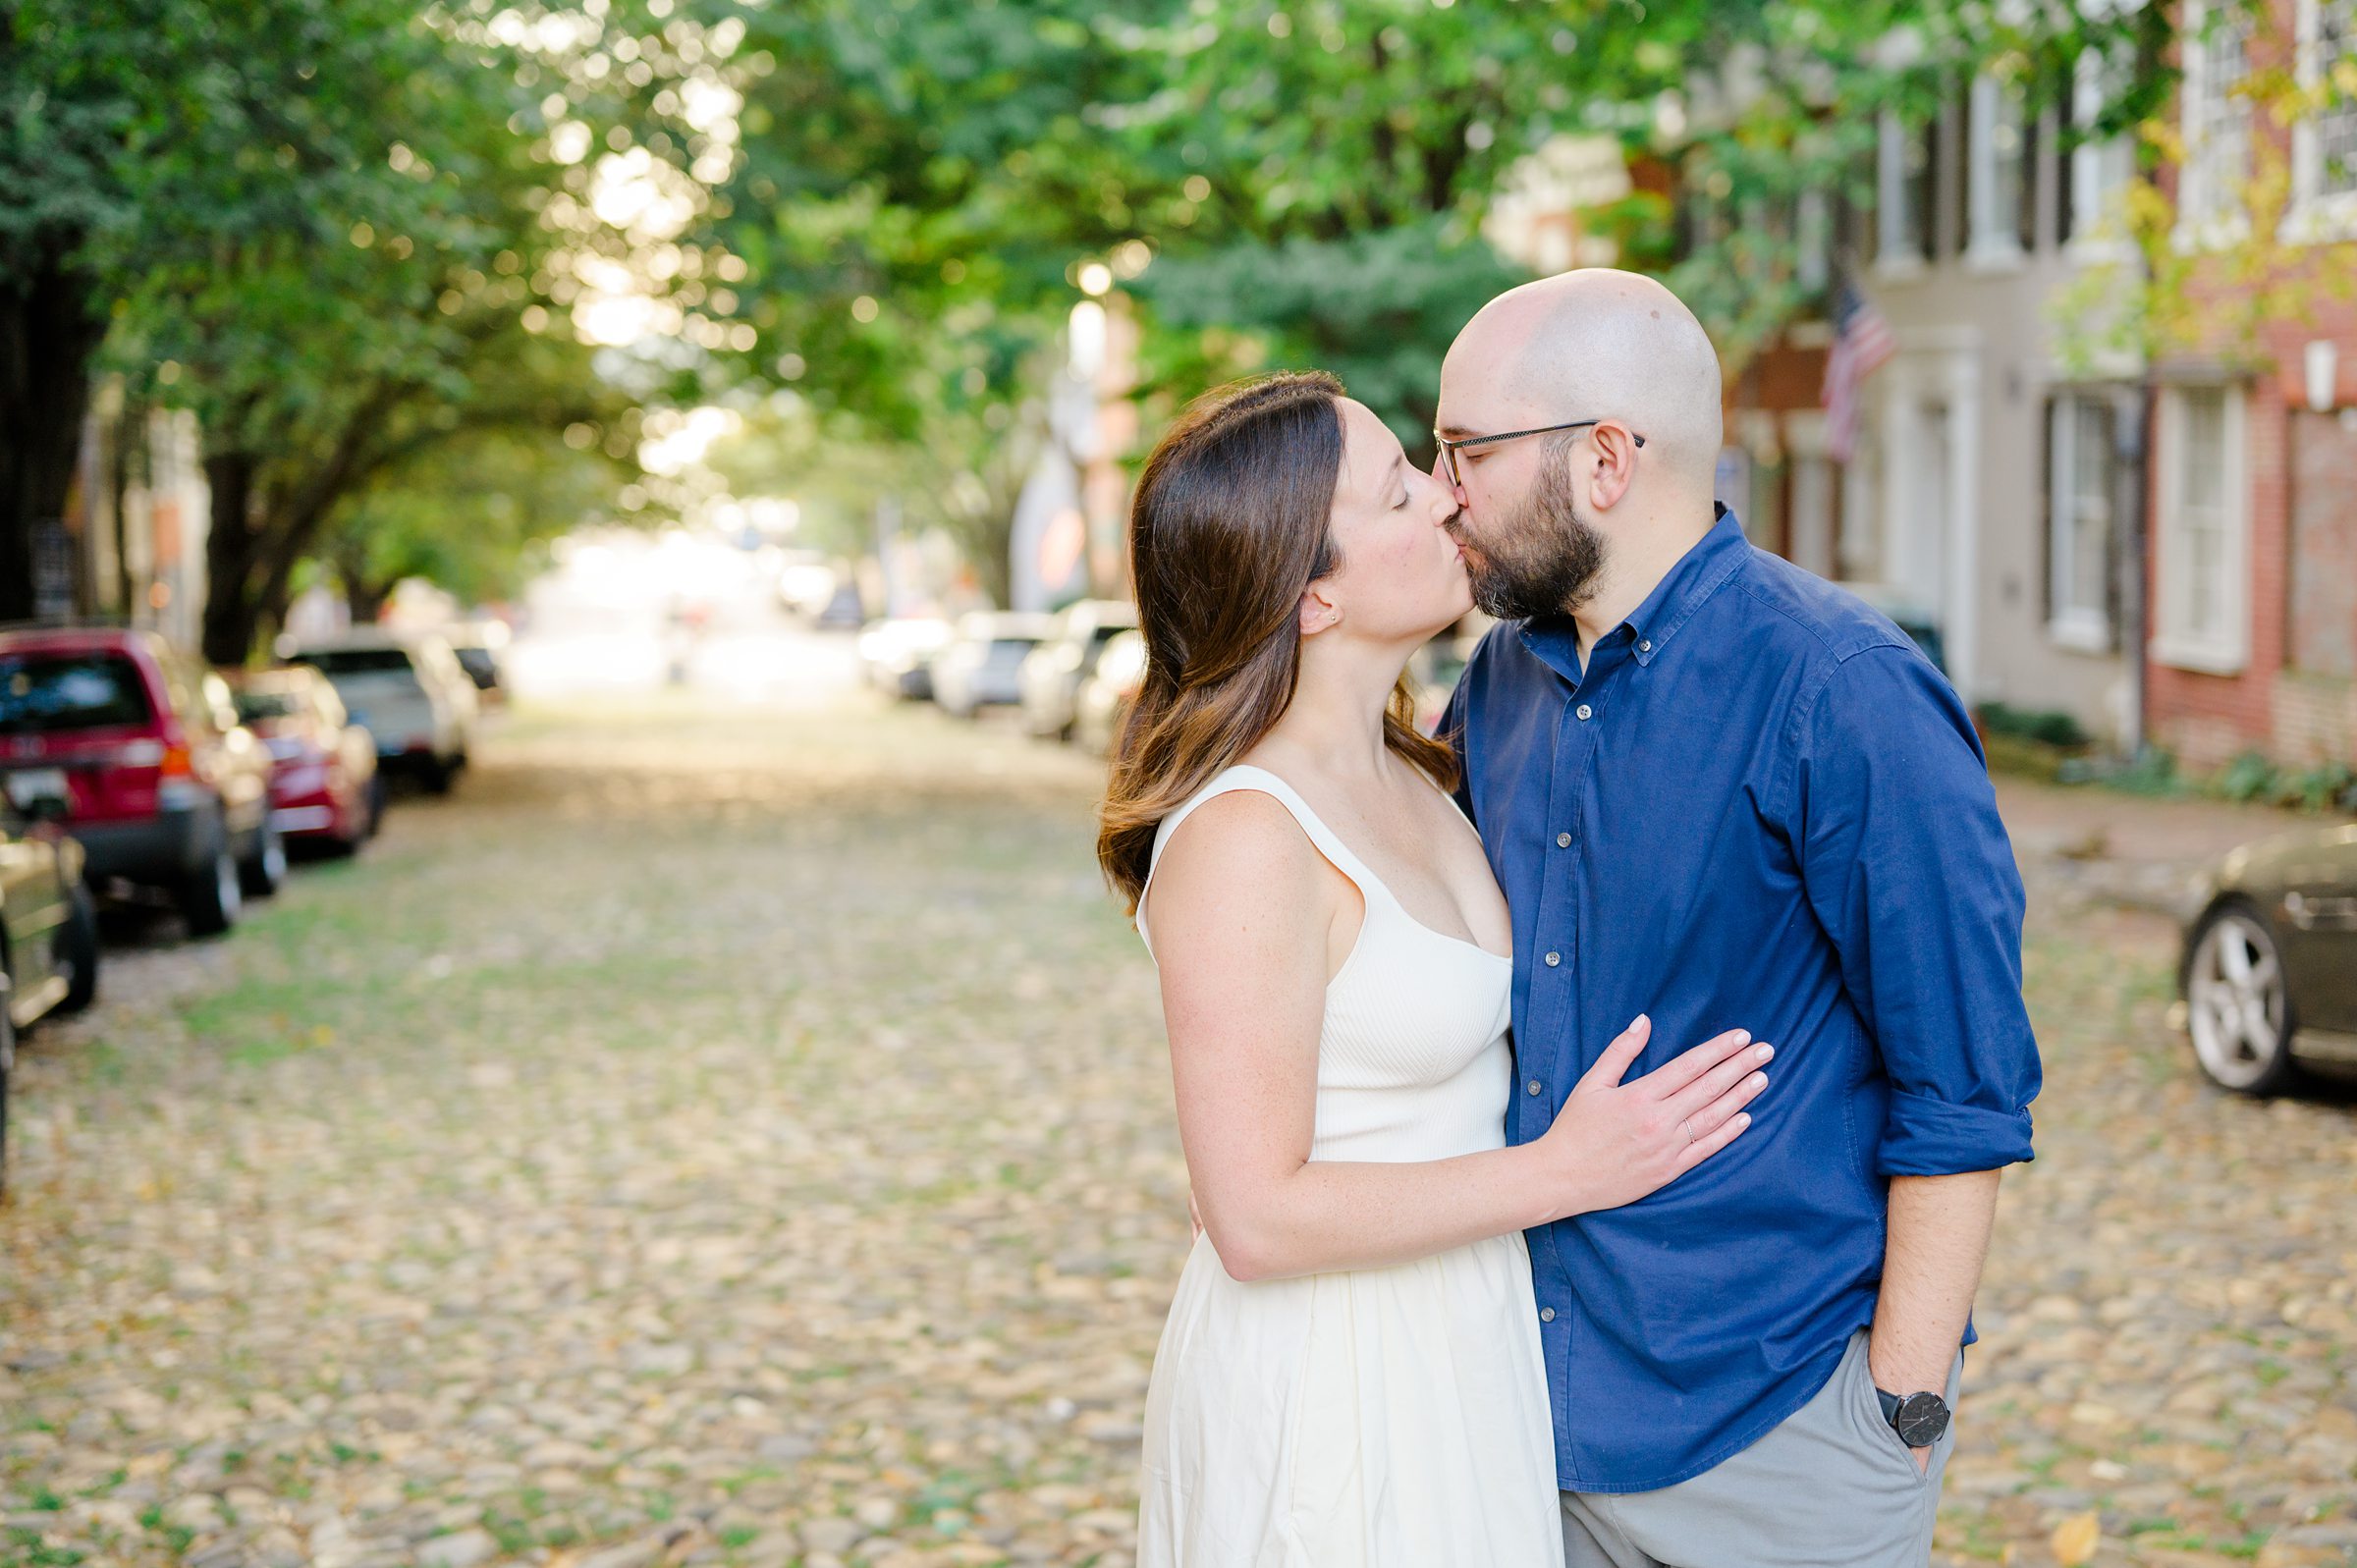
[(1920, 1420)]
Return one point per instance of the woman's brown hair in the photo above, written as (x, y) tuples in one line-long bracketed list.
[(1231, 524)]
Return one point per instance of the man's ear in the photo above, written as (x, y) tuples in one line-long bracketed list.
[(1318, 613), (1612, 468)]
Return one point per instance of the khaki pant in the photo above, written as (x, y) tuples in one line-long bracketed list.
[(1832, 1486)]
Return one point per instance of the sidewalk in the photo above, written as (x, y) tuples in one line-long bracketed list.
[(2096, 845)]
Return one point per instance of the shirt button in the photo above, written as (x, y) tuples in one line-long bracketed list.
[(1535, 1086), (1586, 712), (1554, 958), (1645, 647), (1545, 1314), (1562, 841)]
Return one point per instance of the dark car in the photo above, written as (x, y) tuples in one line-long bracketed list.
[(165, 789), (48, 923), (324, 785), (2268, 975)]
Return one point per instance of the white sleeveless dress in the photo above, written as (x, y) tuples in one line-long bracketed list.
[(1377, 1418)]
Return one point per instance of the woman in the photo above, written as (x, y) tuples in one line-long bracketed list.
[(1351, 1374)]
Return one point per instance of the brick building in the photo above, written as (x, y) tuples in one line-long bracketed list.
[(2253, 483)]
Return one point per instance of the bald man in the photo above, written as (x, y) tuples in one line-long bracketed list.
[(1722, 792)]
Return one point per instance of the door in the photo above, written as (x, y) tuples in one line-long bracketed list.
[(2319, 950), (32, 910), (1923, 531)]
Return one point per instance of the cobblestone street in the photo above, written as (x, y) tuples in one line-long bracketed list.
[(743, 1136)]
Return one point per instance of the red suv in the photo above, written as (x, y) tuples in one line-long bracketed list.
[(166, 790)]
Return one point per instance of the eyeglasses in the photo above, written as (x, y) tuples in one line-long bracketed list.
[(1449, 448)]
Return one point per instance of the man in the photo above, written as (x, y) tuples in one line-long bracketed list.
[(1720, 791)]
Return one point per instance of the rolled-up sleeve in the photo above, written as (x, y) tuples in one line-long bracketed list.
[(1908, 868)]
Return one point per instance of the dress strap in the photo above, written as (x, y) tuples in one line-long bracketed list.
[(1243, 775)]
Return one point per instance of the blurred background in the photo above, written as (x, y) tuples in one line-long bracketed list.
[(562, 600)]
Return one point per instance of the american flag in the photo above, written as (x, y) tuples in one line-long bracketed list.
[(1861, 341)]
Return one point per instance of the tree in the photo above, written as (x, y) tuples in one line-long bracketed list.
[(415, 312), (465, 516), (147, 134)]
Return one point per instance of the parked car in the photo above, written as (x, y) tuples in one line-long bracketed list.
[(1104, 699), (898, 655), (409, 691), (48, 920), (843, 611), (2269, 973), (324, 788), (165, 789), (1051, 677), (982, 667)]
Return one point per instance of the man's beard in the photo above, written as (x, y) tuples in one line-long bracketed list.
[(1540, 560)]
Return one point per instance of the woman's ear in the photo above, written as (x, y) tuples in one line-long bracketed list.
[(1318, 613)]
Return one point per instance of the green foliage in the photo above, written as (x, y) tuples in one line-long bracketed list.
[(1378, 309), (2049, 729)]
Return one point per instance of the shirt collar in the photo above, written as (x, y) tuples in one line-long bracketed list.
[(1699, 573)]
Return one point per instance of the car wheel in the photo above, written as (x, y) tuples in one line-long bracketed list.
[(80, 949), (211, 897), (2238, 1008), (436, 776), (266, 872), (378, 794)]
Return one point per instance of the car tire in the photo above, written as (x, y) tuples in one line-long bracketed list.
[(379, 794), (436, 776), (266, 872), (2238, 1004), (213, 894), (81, 949)]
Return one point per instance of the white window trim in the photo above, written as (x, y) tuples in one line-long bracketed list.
[(2097, 213), (1895, 256), (1813, 239), (2228, 655), (2203, 234), (2078, 627), (2312, 218), (1995, 236)]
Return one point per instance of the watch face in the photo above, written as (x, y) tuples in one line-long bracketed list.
[(1922, 1420)]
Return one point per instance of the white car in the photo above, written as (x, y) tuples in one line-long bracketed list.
[(409, 691), (983, 665), (1051, 677)]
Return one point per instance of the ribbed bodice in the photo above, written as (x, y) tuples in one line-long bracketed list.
[(1412, 1056)]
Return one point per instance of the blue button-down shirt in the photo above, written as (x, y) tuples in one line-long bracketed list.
[(1758, 806)]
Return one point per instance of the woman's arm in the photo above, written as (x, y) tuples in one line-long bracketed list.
[(1245, 912)]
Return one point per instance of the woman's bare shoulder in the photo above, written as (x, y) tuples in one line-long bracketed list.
[(1240, 849)]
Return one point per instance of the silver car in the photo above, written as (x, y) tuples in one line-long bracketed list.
[(1052, 676), (982, 667)]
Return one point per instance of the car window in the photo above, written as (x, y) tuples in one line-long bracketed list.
[(357, 661), (275, 704), (57, 693)]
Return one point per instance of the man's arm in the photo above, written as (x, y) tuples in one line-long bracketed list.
[(1909, 870), (1938, 1241)]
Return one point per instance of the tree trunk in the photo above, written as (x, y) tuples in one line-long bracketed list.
[(49, 330), (232, 544)]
